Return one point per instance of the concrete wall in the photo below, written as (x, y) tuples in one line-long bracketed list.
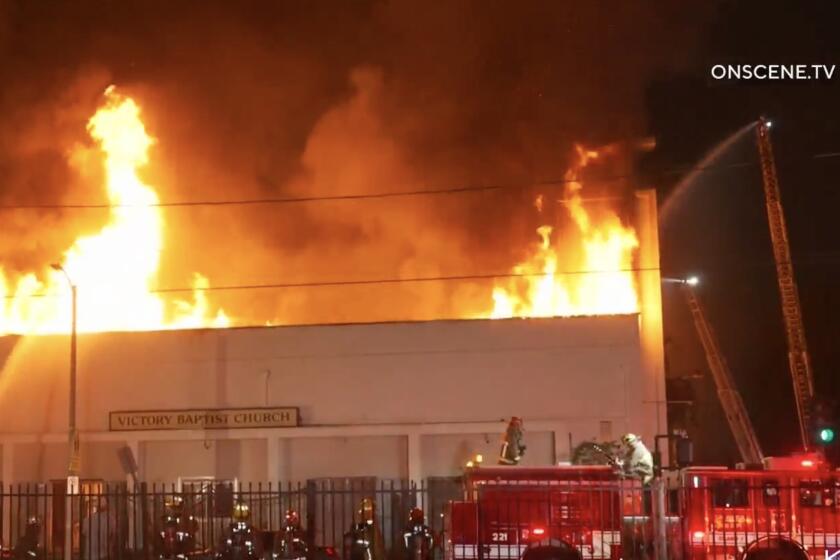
[(337, 457), (448, 371), (447, 384)]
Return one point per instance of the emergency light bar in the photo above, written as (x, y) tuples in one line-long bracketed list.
[(796, 462)]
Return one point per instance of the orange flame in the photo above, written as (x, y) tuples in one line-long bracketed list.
[(116, 269), (596, 278)]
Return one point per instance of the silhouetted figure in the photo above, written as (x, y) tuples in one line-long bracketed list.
[(28, 546), (513, 447)]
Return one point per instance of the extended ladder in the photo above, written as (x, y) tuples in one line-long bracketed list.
[(800, 363)]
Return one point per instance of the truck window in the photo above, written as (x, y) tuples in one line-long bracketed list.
[(770, 493), (730, 493), (817, 493)]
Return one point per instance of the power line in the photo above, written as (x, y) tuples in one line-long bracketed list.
[(395, 194), (306, 199), (333, 283), (818, 258)]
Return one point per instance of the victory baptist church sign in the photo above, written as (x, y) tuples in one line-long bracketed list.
[(204, 419)]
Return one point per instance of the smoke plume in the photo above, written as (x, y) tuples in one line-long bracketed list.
[(265, 99)]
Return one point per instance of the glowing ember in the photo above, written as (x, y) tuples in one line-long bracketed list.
[(596, 276), (116, 268)]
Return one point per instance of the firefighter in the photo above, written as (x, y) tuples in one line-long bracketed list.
[(638, 461), (28, 546), (167, 541), (177, 536), (365, 540), (241, 540), (512, 445), (417, 536), (290, 544)]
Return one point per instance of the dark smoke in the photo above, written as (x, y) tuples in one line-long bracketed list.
[(257, 99)]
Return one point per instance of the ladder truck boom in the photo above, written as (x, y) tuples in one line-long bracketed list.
[(730, 398), (798, 358)]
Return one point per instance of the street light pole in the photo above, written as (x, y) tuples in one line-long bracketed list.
[(73, 466), (73, 438)]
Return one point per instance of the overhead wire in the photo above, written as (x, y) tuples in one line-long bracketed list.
[(729, 263), (363, 196), (363, 282), (392, 194)]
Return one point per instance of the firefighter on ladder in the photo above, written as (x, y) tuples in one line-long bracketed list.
[(512, 447)]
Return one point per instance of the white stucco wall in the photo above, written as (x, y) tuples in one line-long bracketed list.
[(369, 395)]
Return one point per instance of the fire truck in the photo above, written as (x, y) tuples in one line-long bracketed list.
[(788, 511), (548, 513)]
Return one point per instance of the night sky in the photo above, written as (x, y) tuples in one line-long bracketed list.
[(281, 98), (720, 230)]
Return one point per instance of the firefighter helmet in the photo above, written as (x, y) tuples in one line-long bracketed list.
[(416, 515), (292, 518), (241, 511), (367, 511), (629, 439), (173, 502)]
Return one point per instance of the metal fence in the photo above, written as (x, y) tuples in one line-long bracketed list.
[(715, 519), (111, 521)]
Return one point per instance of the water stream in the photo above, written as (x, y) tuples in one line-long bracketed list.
[(709, 163)]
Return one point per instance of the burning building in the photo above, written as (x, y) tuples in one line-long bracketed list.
[(569, 338)]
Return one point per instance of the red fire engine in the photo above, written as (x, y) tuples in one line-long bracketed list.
[(785, 512), (550, 513), (789, 511)]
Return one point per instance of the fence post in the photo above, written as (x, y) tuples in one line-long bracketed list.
[(5, 515), (144, 519), (660, 513), (69, 489), (311, 512)]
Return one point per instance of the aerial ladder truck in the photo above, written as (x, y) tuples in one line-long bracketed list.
[(798, 358), (730, 399)]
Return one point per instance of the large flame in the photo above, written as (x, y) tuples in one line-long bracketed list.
[(596, 276), (585, 270), (115, 271)]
